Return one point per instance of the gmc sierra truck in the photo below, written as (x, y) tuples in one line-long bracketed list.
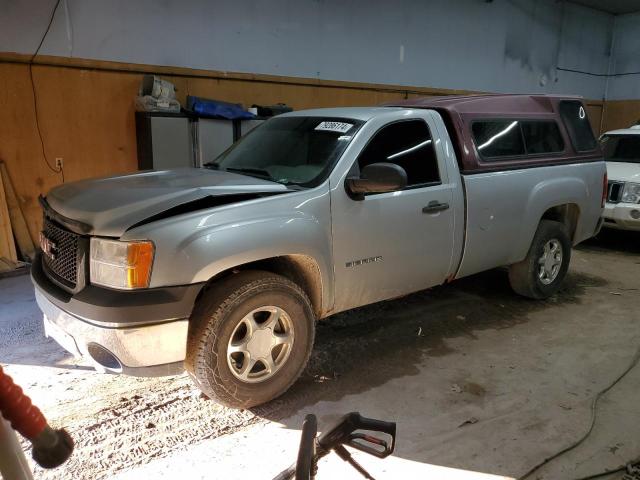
[(224, 270)]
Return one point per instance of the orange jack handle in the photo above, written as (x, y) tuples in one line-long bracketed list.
[(16, 407)]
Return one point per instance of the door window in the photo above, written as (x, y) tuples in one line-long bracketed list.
[(407, 144), (621, 148)]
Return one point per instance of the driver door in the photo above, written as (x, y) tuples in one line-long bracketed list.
[(391, 244)]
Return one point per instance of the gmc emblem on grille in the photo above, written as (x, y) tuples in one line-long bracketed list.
[(47, 246)]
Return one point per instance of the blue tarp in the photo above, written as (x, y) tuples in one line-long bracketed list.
[(216, 108)]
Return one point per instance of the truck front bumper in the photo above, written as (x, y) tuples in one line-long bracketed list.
[(623, 216), (144, 334)]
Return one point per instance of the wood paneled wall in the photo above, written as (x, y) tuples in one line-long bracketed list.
[(594, 110), (620, 114), (86, 113), (86, 118)]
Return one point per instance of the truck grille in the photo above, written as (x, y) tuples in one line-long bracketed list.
[(614, 191), (64, 263)]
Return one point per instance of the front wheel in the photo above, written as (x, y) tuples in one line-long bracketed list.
[(250, 338), (540, 274)]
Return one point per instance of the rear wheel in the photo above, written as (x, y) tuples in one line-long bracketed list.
[(250, 338), (540, 274)]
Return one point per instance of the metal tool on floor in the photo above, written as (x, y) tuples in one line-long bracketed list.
[(351, 430), (51, 448), (632, 473)]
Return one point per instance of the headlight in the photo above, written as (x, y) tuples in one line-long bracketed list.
[(123, 265), (631, 193)]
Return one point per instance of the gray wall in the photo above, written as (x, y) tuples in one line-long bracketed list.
[(624, 82), (506, 45)]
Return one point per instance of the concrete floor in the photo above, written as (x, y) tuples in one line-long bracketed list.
[(482, 384)]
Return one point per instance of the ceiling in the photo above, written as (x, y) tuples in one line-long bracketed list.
[(612, 6)]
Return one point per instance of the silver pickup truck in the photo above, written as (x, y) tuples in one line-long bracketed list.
[(224, 270)]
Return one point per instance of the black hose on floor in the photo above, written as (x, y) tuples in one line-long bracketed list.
[(594, 405)]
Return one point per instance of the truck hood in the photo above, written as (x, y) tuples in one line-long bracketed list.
[(623, 171), (110, 206)]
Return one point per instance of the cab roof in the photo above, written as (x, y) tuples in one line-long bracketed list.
[(355, 113), (490, 103)]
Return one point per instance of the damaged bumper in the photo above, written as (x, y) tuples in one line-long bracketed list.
[(120, 332)]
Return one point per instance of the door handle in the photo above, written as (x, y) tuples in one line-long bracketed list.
[(434, 207)]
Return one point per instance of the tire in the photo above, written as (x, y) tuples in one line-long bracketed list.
[(527, 278), (277, 311)]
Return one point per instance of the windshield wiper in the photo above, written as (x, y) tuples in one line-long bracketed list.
[(251, 171)]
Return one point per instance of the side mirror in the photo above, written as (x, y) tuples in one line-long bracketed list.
[(376, 178)]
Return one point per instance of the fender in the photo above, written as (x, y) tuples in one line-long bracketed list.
[(544, 195), (256, 239), (195, 247)]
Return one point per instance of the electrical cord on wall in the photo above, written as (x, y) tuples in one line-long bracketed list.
[(60, 169), (594, 405)]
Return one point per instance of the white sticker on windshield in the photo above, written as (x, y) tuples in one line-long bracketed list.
[(339, 127)]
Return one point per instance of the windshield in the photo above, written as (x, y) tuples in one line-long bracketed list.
[(290, 150), (621, 148)]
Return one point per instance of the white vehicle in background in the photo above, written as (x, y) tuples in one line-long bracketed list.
[(622, 153)]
